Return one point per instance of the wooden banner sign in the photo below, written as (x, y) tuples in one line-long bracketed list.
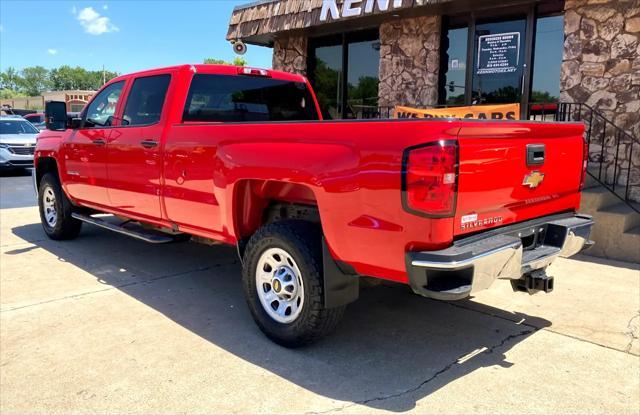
[(480, 112)]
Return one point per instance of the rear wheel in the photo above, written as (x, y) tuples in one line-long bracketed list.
[(56, 209), (282, 279)]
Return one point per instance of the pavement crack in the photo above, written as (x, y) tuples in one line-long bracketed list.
[(632, 331), (550, 330), (431, 378)]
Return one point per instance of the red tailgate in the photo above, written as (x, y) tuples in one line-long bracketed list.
[(499, 184)]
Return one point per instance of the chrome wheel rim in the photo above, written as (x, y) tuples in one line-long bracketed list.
[(49, 207), (279, 285)]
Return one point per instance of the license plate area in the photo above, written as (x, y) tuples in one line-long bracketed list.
[(532, 237)]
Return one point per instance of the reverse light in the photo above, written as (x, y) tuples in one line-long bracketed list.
[(244, 70), (429, 179)]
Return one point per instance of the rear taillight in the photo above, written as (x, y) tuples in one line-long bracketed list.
[(429, 179), (585, 161)]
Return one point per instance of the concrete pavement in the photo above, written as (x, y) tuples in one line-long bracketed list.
[(108, 324)]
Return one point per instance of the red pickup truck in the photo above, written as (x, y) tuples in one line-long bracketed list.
[(242, 156)]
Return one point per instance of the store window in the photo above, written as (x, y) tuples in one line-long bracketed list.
[(343, 70), (546, 71), (327, 80), (455, 45)]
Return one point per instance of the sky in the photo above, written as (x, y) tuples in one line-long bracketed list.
[(124, 36)]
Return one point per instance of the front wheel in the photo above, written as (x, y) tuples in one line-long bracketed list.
[(56, 210), (282, 280)]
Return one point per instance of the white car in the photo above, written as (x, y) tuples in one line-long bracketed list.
[(17, 142)]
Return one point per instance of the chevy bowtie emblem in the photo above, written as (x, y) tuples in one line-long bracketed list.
[(533, 179)]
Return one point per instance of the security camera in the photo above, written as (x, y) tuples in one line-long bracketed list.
[(239, 47)]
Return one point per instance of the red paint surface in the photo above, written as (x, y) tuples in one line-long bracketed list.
[(214, 179)]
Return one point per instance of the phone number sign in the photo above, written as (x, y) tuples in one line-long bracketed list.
[(498, 53)]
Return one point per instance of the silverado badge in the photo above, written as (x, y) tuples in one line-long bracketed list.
[(533, 179)]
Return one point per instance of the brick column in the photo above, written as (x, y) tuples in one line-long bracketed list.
[(409, 61), (290, 54)]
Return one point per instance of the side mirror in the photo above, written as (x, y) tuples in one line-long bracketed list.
[(55, 115)]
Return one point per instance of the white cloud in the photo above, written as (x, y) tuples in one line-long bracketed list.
[(52, 51), (94, 23)]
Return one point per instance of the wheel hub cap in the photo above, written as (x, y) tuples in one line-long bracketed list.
[(49, 206), (279, 285)]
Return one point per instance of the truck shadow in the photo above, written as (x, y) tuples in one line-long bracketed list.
[(392, 349)]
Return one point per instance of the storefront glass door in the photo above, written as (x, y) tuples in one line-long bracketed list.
[(507, 56), (499, 62)]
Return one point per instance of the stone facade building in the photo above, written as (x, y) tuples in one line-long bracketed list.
[(365, 56)]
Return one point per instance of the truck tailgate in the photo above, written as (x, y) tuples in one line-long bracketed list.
[(516, 171)]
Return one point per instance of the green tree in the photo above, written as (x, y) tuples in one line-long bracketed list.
[(7, 93), (10, 79), (66, 77), (35, 79), (237, 61), (543, 96)]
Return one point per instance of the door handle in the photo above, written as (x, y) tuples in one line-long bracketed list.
[(99, 142), (148, 143)]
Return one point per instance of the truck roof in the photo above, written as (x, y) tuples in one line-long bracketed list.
[(213, 69)]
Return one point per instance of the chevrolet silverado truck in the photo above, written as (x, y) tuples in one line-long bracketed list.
[(241, 156)]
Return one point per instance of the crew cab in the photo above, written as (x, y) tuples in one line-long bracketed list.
[(242, 156)]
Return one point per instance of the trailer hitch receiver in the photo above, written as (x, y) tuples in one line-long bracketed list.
[(534, 281)]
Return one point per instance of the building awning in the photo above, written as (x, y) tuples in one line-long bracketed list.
[(260, 22)]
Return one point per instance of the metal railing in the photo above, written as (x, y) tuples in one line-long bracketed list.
[(611, 148)]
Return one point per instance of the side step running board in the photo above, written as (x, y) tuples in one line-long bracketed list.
[(134, 231)]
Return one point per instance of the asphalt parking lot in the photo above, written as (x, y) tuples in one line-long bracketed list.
[(105, 323)]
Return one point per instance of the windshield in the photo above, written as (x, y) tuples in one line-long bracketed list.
[(17, 127)]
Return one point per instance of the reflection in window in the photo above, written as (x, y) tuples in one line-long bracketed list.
[(146, 99), (327, 80), (101, 110), (230, 98), (501, 84), (548, 54), (456, 56), (362, 82)]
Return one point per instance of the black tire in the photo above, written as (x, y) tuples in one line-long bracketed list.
[(64, 226), (302, 241)]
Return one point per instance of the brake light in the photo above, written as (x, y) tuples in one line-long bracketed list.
[(244, 70), (429, 181), (585, 161)]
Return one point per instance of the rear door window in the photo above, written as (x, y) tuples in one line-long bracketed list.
[(228, 98), (146, 99)]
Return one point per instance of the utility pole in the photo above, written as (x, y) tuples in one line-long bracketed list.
[(104, 80)]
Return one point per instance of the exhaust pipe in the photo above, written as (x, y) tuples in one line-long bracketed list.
[(534, 281)]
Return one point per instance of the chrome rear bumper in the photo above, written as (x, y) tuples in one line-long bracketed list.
[(474, 263)]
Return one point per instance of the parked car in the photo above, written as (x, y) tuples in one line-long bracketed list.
[(17, 142), (241, 156), (37, 119)]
